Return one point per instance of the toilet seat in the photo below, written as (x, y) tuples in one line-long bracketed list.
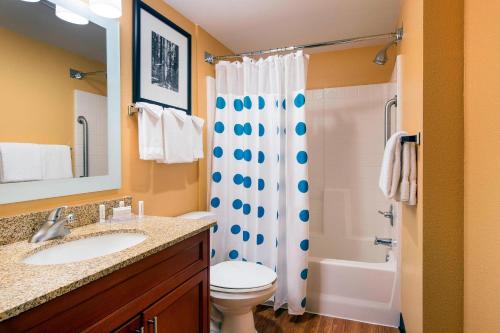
[(240, 277), (235, 291)]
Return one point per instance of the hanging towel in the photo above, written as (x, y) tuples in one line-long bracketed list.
[(20, 162), (413, 176), (197, 137), (56, 162), (390, 171), (150, 131), (405, 173), (177, 137)]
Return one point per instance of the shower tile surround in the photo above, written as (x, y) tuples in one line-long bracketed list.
[(20, 227), (345, 136), (94, 108)]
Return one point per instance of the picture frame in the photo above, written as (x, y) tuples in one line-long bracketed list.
[(161, 60)]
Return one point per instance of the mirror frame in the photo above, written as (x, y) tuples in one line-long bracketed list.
[(25, 191)]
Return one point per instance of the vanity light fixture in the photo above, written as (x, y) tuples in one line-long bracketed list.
[(69, 16), (30, 0), (106, 8)]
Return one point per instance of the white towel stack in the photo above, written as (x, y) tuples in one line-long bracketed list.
[(169, 135), (150, 131), (398, 174), (21, 162), (197, 137), (56, 162)]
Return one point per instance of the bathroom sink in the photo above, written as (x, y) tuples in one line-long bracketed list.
[(85, 248)]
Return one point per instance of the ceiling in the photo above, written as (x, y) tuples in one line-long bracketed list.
[(38, 21), (248, 25)]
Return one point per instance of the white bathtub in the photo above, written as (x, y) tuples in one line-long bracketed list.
[(355, 290)]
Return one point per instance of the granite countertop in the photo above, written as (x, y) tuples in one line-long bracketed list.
[(24, 286)]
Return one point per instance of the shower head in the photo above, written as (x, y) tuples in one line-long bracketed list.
[(381, 56), (79, 75)]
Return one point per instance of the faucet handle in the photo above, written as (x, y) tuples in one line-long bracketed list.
[(70, 218), (387, 214), (55, 214)]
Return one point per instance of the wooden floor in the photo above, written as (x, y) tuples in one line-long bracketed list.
[(267, 321)]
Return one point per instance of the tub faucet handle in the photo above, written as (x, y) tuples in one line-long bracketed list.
[(388, 215)]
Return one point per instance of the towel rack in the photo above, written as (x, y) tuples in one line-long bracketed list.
[(411, 138), (133, 110)]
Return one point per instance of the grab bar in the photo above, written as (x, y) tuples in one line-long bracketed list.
[(82, 120), (387, 117)]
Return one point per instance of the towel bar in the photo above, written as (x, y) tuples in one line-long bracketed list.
[(411, 138), (133, 110)]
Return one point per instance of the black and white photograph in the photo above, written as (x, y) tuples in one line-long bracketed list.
[(164, 62)]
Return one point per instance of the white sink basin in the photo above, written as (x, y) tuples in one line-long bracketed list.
[(85, 248)]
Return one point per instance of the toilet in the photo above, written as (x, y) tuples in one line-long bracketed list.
[(236, 287)]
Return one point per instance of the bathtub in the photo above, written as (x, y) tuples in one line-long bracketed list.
[(355, 290)]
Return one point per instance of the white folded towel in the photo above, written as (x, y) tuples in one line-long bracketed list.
[(390, 171), (413, 176), (56, 162), (177, 137), (197, 137), (405, 173), (20, 162), (150, 131)]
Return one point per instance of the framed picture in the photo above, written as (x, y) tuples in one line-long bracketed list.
[(161, 60)]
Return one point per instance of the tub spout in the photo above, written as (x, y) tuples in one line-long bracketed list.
[(385, 241)]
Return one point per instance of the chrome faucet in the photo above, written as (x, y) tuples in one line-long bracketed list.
[(54, 227), (385, 241), (388, 215)]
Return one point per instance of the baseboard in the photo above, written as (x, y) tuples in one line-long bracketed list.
[(401, 327)]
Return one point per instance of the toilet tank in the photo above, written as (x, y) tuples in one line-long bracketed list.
[(197, 215)]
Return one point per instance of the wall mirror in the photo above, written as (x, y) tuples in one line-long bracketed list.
[(59, 82)]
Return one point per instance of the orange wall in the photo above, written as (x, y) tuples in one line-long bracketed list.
[(38, 92), (348, 67), (443, 170), (482, 165), (411, 50), (166, 189), (432, 232)]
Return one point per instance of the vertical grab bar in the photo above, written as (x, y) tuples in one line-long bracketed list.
[(82, 120), (387, 117)]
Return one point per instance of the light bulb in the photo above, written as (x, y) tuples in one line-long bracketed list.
[(106, 8), (69, 16)]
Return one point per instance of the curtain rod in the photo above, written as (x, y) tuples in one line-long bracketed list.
[(397, 35)]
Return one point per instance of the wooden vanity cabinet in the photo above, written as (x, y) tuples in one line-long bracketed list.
[(165, 292)]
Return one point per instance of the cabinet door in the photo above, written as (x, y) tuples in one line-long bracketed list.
[(184, 310), (133, 326)]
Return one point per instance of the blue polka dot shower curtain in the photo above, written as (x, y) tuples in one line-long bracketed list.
[(259, 188)]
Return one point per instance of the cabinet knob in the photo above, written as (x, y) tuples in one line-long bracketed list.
[(140, 330), (154, 321)]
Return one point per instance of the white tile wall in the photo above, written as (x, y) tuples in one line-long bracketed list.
[(94, 108), (345, 139)]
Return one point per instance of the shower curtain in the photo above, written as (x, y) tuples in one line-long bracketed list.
[(259, 177)]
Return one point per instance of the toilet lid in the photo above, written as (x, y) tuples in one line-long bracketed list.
[(241, 275)]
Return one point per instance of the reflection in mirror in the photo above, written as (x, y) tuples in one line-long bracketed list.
[(54, 88)]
